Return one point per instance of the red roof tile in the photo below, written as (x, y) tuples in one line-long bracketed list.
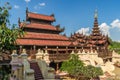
[(38, 26), (42, 42), (40, 16), (101, 41), (33, 35)]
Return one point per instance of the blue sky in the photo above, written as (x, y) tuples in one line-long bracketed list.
[(74, 15)]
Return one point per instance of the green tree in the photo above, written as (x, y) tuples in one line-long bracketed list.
[(76, 68), (8, 36), (92, 72), (73, 66), (115, 46)]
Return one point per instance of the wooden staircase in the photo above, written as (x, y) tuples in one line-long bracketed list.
[(37, 71)]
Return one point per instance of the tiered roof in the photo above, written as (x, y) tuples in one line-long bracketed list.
[(31, 35), (38, 26), (93, 40), (78, 39), (31, 15), (43, 34), (42, 42), (96, 37)]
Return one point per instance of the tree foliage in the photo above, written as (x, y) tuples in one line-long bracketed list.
[(92, 72), (71, 65), (76, 68), (8, 36), (115, 46)]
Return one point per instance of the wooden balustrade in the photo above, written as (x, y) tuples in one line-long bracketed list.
[(105, 54), (59, 57)]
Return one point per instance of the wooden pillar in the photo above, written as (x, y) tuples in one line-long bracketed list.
[(57, 49), (66, 49), (34, 49), (75, 49), (31, 50), (57, 67), (20, 51), (46, 49), (91, 48), (82, 48)]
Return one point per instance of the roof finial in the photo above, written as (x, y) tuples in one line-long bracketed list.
[(96, 14), (26, 9), (18, 20)]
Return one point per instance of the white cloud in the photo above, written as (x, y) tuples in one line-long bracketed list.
[(42, 4), (16, 6), (35, 7), (38, 6), (111, 29), (105, 29), (84, 31), (27, 1), (35, 12), (115, 23)]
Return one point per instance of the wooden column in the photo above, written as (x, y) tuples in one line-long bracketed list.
[(82, 47), (91, 48), (75, 49), (57, 66), (66, 49), (57, 49), (20, 51), (31, 50), (34, 49), (46, 49)]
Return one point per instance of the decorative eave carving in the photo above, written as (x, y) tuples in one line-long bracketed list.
[(62, 30), (53, 16), (64, 34), (57, 26), (59, 29)]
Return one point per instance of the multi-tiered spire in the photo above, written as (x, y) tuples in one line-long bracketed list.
[(96, 30), (96, 36)]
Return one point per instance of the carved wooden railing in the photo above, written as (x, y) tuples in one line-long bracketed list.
[(105, 54), (4, 62), (59, 57)]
